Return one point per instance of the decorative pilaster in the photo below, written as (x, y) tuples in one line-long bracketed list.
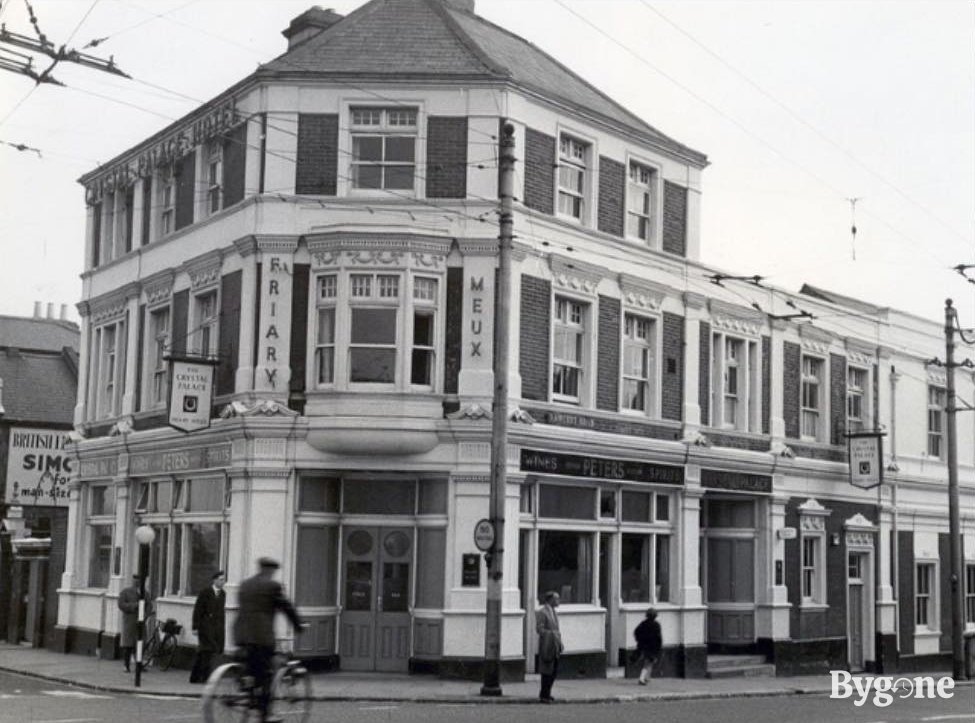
[(273, 371), (694, 313)]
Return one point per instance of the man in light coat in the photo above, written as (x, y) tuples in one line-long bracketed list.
[(549, 644)]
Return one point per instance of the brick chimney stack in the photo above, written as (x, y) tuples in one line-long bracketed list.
[(309, 24)]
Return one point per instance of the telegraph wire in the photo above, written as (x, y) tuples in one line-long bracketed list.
[(94, 42)]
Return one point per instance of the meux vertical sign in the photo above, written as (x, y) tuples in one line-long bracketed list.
[(39, 467)]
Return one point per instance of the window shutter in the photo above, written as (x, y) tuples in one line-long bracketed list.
[(837, 398), (299, 336), (453, 322), (792, 386), (140, 355), (536, 312), (672, 388), (905, 585), (704, 374), (147, 210), (234, 165), (185, 190), (612, 187), (129, 214), (446, 157), (675, 219), (944, 591), (316, 168), (96, 235), (539, 171), (608, 355), (766, 384), (229, 333), (181, 317)]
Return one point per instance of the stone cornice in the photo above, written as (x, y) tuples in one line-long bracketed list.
[(110, 305), (642, 292), (246, 246), (576, 275), (204, 270), (158, 288), (860, 352), (279, 244), (936, 375), (736, 319), (815, 340), (478, 247), (379, 250)]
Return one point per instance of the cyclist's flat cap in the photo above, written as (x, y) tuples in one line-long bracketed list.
[(268, 562)]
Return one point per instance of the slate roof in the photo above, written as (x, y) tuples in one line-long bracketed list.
[(428, 39), (39, 369)]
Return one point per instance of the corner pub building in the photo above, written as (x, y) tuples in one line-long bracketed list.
[(326, 229)]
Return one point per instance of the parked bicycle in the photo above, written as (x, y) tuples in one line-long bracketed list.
[(231, 695), (161, 643)]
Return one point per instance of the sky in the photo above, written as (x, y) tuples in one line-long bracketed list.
[(800, 106)]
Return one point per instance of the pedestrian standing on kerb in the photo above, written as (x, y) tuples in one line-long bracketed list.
[(128, 603), (209, 623), (649, 643), (549, 644)]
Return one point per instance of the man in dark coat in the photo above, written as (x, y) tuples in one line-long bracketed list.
[(649, 643), (260, 598), (549, 644), (128, 603), (209, 623)]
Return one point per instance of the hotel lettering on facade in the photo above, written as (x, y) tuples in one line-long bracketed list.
[(326, 230)]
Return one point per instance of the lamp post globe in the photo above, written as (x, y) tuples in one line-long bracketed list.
[(145, 535)]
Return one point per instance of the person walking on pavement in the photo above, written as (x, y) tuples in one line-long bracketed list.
[(128, 603), (549, 644), (260, 597), (209, 623), (649, 643)]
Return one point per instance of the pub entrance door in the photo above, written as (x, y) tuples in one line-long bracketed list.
[(376, 598), (729, 559)]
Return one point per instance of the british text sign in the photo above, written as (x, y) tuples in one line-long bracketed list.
[(39, 467)]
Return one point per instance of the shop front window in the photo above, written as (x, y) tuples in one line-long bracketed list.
[(565, 564)]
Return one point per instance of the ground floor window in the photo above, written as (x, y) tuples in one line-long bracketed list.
[(100, 560), (184, 556), (644, 568), (924, 608), (565, 564), (316, 565)]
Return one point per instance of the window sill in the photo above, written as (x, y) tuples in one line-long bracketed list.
[(926, 632), (810, 606)]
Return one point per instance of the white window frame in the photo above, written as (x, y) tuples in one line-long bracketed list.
[(812, 575), (326, 294), (388, 126), (746, 398), (857, 394), (158, 345), (213, 167), (167, 200), (109, 369), (206, 326), (651, 354), (642, 181), (92, 521), (937, 403), (425, 295), (575, 156), (970, 593), (579, 324), (821, 410), (927, 597), (109, 229)]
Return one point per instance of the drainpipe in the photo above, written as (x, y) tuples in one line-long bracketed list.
[(895, 552)]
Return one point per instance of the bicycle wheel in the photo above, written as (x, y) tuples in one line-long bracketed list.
[(291, 693), (166, 652), (224, 699), (149, 650)]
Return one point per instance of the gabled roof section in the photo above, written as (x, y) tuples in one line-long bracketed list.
[(50, 335), (816, 292), (435, 39)]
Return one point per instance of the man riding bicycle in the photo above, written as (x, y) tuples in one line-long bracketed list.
[(260, 598)]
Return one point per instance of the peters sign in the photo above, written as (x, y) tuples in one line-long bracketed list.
[(39, 467)]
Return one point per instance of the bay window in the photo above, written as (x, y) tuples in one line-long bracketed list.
[(383, 148)]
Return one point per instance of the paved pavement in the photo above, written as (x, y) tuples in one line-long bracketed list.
[(108, 675)]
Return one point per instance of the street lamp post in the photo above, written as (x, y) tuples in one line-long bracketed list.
[(144, 535)]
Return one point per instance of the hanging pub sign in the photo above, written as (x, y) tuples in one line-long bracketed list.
[(190, 393), (866, 459)]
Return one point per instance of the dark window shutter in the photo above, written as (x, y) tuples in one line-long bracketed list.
[(454, 322), (675, 219), (672, 388), (234, 164), (837, 398), (791, 388), (181, 318), (146, 208), (446, 157), (704, 374), (185, 189), (536, 311), (229, 332), (875, 416), (905, 589), (766, 384), (316, 168), (612, 190), (299, 335), (129, 212), (944, 592), (96, 235), (608, 355), (539, 171), (140, 352)]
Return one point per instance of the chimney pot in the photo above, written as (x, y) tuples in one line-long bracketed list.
[(64, 312), (50, 310), (37, 310)]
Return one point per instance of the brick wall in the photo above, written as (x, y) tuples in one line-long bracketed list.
[(672, 385), (234, 165), (612, 187), (453, 323), (766, 385), (675, 219), (837, 398), (539, 171), (704, 373), (608, 355), (791, 384), (185, 189), (446, 157), (316, 167), (536, 311)]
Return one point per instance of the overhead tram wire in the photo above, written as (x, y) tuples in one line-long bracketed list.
[(751, 134)]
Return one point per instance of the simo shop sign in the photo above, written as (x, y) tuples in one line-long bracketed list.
[(39, 467)]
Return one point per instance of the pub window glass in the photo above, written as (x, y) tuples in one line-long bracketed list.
[(567, 503), (565, 564)]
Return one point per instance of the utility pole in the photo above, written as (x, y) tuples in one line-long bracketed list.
[(954, 524), (499, 420)]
